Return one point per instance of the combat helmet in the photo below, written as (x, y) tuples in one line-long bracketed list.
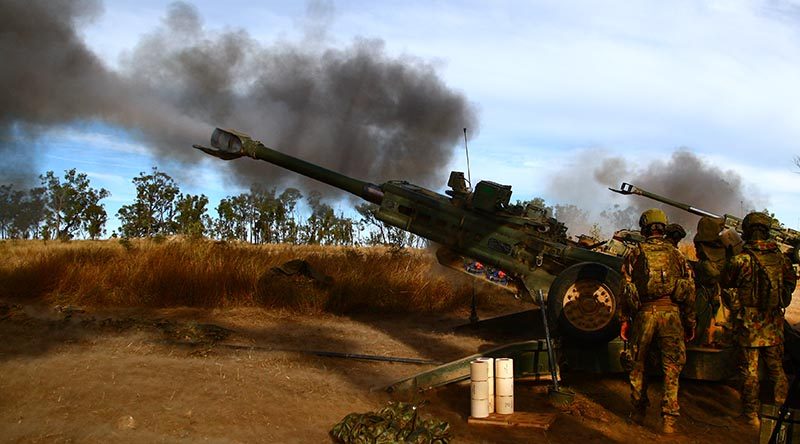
[(708, 229), (675, 230), (652, 216), (756, 219)]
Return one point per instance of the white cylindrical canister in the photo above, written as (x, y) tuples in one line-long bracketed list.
[(479, 389), (503, 368), (504, 405), (479, 408), (504, 386), (490, 363), (478, 370)]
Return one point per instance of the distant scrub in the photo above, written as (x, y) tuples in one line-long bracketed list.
[(138, 273)]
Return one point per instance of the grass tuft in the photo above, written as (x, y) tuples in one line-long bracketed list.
[(173, 273)]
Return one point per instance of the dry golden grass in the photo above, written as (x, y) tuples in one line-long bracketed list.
[(213, 274)]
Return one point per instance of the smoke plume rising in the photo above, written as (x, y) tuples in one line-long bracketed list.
[(352, 109), (683, 177)]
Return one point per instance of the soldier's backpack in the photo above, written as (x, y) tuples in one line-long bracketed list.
[(657, 271), (767, 279)]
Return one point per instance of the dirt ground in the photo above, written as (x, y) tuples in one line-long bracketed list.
[(118, 376)]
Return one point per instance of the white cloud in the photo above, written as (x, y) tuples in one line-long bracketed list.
[(707, 75)]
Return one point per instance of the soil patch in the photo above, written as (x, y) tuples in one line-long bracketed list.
[(77, 375)]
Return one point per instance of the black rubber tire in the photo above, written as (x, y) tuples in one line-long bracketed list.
[(555, 303)]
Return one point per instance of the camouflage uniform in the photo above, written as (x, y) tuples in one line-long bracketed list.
[(707, 271), (662, 318), (397, 422), (758, 331)]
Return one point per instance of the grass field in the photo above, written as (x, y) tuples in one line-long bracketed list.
[(203, 273), (177, 273)]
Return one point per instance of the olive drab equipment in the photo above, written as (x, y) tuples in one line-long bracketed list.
[(674, 233), (658, 269), (708, 229), (767, 290), (481, 224), (652, 216), (767, 280), (756, 219), (397, 422)]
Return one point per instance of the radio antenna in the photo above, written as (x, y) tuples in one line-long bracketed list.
[(466, 148)]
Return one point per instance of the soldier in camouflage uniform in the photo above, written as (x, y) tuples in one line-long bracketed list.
[(657, 305), (764, 280), (711, 260)]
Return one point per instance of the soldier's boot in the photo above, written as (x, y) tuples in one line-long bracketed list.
[(668, 424), (637, 415)]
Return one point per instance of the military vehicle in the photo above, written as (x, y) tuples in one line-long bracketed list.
[(483, 225)]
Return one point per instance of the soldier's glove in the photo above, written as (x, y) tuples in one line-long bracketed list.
[(624, 329), (689, 333)]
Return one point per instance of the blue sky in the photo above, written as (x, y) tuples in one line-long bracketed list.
[(557, 86)]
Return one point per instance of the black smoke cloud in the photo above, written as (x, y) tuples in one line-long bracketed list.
[(352, 109), (37, 40), (681, 176)]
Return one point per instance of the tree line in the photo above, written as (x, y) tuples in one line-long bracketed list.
[(69, 207)]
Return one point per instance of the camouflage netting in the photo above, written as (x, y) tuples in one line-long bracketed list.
[(399, 422)]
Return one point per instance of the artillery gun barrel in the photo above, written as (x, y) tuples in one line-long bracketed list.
[(627, 188), (480, 225), (230, 144), (788, 238)]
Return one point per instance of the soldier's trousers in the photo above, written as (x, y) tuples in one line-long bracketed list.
[(773, 360), (662, 324)]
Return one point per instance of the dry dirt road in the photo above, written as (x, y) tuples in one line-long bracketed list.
[(111, 377)]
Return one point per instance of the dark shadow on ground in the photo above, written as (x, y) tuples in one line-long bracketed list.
[(36, 330)]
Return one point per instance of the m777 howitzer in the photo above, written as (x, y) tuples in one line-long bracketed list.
[(787, 238), (479, 224)]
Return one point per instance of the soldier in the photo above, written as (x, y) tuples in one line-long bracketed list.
[(711, 260), (658, 299), (674, 233), (764, 280)]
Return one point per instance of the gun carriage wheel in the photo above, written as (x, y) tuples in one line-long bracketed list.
[(582, 302)]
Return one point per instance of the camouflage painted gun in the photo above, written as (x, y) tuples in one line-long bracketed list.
[(480, 224), (788, 238)]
